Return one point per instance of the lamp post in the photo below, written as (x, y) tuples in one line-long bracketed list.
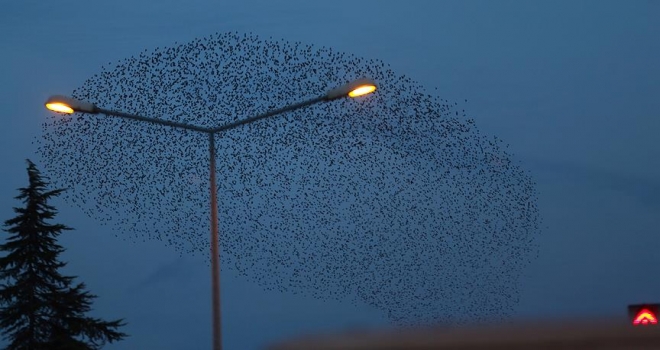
[(69, 105)]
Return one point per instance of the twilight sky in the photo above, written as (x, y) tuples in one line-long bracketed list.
[(571, 86)]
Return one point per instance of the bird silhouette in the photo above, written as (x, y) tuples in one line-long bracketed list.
[(396, 200)]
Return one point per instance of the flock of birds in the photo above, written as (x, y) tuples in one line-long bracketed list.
[(394, 199)]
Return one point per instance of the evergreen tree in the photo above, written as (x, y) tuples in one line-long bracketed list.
[(40, 308)]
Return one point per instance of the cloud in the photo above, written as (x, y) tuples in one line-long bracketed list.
[(645, 191), (177, 270)]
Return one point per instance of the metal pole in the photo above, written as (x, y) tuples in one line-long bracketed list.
[(215, 253), (151, 120), (271, 113), (215, 256)]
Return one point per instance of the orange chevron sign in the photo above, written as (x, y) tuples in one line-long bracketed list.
[(643, 314), (645, 317)]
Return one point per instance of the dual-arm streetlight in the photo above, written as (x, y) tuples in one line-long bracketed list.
[(69, 105)]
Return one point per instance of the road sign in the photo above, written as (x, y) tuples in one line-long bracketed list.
[(643, 314)]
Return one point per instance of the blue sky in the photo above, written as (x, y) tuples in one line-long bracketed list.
[(571, 86)]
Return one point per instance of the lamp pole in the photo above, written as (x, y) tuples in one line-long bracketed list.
[(215, 254), (64, 104)]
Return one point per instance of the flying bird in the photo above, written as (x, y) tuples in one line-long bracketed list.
[(396, 200)]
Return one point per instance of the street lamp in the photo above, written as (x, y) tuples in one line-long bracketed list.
[(64, 104)]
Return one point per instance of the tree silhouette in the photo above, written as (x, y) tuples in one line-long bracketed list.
[(41, 309)]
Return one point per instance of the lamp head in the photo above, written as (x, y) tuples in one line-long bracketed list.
[(64, 104), (356, 88)]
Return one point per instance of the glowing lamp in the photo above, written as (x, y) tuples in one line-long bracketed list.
[(59, 107), (356, 88), (362, 90), (64, 104)]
